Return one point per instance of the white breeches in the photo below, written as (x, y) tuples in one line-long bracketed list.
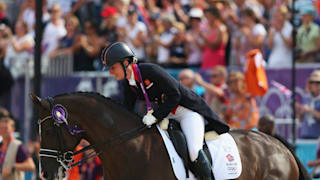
[(192, 125)]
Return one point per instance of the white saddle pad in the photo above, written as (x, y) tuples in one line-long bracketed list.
[(226, 163)]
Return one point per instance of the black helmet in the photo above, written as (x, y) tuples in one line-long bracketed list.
[(116, 52)]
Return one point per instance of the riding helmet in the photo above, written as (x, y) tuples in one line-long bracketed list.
[(116, 52)]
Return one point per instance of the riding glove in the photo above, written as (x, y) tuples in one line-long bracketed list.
[(149, 119)]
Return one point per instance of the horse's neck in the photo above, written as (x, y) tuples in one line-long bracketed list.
[(126, 155)]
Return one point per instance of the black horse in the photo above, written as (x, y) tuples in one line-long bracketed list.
[(131, 152)]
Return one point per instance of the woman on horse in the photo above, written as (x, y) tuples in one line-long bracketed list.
[(173, 100)]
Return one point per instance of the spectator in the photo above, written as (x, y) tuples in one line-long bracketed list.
[(53, 31), (155, 29), (215, 38), (92, 168), (315, 163), (267, 125), (252, 35), (87, 47), (195, 42), (152, 7), (15, 159), (108, 28), (134, 33), (187, 78), (165, 39), (122, 7), (27, 13), (242, 110), (18, 53), (180, 12), (178, 48), (309, 111), (3, 17), (6, 78), (269, 8), (280, 40), (74, 172), (307, 37), (216, 90), (65, 43), (68, 7)]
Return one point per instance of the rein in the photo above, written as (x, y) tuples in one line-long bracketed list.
[(66, 157)]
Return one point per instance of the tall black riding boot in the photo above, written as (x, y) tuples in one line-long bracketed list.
[(203, 166)]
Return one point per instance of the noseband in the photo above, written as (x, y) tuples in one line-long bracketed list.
[(59, 115)]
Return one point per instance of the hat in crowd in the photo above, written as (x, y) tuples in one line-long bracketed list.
[(132, 9), (195, 13), (109, 11), (308, 10), (315, 76)]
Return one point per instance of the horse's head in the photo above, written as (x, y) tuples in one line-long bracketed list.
[(59, 136)]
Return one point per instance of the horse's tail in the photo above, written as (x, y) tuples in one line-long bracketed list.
[(303, 173)]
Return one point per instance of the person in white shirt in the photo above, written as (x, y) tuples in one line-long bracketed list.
[(165, 39), (280, 40), (252, 35), (135, 33), (54, 30), (19, 50)]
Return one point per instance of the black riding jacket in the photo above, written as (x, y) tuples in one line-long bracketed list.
[(168, 93)]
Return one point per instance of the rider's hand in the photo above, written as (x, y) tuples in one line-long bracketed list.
[(149, 119)]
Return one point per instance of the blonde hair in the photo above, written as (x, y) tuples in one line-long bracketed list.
[(222, 70), (74, 20), (283, 10)]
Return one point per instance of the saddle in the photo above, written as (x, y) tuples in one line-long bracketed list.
[(180, 144)]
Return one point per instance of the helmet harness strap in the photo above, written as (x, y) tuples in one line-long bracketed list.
[(134, 61)]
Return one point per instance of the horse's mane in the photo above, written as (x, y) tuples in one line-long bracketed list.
[(99, 97)]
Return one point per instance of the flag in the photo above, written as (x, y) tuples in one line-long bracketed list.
[(284, 90), (255, 74)]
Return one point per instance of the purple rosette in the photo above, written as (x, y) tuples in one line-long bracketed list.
[(59, 114)]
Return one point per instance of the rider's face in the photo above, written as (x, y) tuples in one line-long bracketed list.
[(117, 71)]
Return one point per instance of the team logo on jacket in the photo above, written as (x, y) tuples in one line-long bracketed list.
[(148, 83)]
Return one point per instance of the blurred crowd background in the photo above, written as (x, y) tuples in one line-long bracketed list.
[(218, 37)]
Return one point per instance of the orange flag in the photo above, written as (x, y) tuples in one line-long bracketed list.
[(255, 74)]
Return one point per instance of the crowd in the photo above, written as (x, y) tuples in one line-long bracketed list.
[(210, 35)]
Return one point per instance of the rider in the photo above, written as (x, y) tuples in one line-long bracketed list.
[(173, 99)]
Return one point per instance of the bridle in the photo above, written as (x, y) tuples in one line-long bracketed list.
[(65, 158)]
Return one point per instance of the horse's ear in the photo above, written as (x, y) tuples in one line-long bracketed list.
[(36, 100)]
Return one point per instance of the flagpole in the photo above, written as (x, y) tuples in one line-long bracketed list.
[(293, 75)]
